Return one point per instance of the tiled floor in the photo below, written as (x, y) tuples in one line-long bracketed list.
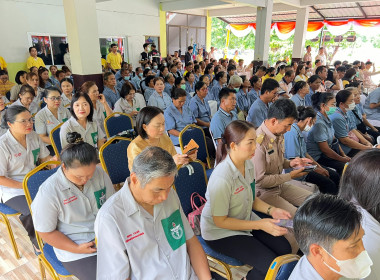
[(25, 268)]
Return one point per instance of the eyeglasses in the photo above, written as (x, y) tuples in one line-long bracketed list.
[(58, 98), (25, 122)]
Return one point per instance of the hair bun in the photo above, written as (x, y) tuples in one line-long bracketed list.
[(74, 138)]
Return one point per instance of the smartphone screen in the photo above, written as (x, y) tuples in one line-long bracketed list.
[(285, 223)]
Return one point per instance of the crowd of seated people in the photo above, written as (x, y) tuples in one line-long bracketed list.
[(277, 134)]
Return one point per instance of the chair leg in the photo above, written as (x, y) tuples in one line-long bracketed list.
[(11, 235), (42, 269)]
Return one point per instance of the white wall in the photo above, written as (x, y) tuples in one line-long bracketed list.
[(126, 18)]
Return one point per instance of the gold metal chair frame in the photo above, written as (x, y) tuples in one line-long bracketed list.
[(204, 137), (277, 263), (113, 115), (52, 140), (4, 219), (42, 261)]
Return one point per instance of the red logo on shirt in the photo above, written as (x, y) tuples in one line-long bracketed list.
[(239, 189), (69, 200), (17, 155), (134, 235)]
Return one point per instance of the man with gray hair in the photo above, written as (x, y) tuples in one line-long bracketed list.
[(142, 232), (329, 233)]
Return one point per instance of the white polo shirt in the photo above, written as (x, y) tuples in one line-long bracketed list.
[(16, 161), (304, 271), (2, 130), (33, 107), (60, 205), (90, 135), (45, 121), (65, 101), (228, 194), (134, 244)]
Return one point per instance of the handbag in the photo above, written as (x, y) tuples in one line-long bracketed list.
[(195, 216)]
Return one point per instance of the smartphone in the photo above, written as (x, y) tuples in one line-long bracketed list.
[(191, 151), (285, 223), (308, 168)]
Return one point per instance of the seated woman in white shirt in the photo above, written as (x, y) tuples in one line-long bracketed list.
[(65, 207), (50, 116), (360, 184), (81, 121), (20, 152), (67, 87), (99, 102), (129, 102), (26, 98), (228, 224)]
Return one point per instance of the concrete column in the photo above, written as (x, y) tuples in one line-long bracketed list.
[(208, 32), (163, 40), (263, 29), (302, 20), (83, 38)]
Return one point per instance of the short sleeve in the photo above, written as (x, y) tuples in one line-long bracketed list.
[(3, 162), (39, 123), (101, 134), (320, 133), (45, 211), (170, 122), (112, 257), (152, 101), (108, 58), (132, 151), (44, 152), (14, 92), (216, 127), (340, 127), (219, 196), (62, 134), (373, 98), (194, 108), (292, 146)]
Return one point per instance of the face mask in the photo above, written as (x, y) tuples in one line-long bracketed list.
[(307, 128), (141, 74), (147, 68), (155, 67), (351, 106), (237, 89), (165, 64), (331, 110), (352, 77), (127, 78), (359, 267), (183, 87)]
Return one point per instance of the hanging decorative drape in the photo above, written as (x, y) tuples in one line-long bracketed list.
[(286, 29)]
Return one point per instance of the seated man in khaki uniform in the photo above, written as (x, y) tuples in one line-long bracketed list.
[(272, 186)]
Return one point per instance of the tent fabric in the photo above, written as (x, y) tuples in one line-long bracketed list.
[(286, 29)]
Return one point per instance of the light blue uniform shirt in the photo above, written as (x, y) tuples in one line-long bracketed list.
[(322, 131), (175, 120), (295, 145), (308, 101), (373, 97), (201, 110), (111, 97), (148, 93), (118, 75), (243, 101), (352, 120), (136, 82), (168, 88), (190, 87), (258, 113), (213, 94), (220, 121), (161, 102), (298, 100), (351, 116), (54, 81), (341, 127), (304, 271), (253, 96)]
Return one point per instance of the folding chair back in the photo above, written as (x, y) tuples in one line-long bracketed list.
[(114, 160), (56, 140), (282, 267), (196, 133), (116, 123)]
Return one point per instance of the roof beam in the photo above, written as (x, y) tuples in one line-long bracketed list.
[(238, 11), (193, 4), (294, 3), (318, 12), (252, 3), (361, 9)]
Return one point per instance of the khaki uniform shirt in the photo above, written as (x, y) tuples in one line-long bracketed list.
[(269, 160)]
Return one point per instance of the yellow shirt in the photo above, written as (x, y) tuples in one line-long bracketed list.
[(199, 57), (31, 61), (3, 64), (264, 78), (139, 144), (345, 82), (4, 88), (236, 58), (279, 76), (104, 63), (115, 60)]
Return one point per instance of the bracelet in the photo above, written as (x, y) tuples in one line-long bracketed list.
[(268, 210)]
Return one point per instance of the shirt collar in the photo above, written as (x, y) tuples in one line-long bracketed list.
[(235, 172), (297, 129), (129, 202), (299, 97), (224, 112), (321, 116), (267, 131)]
